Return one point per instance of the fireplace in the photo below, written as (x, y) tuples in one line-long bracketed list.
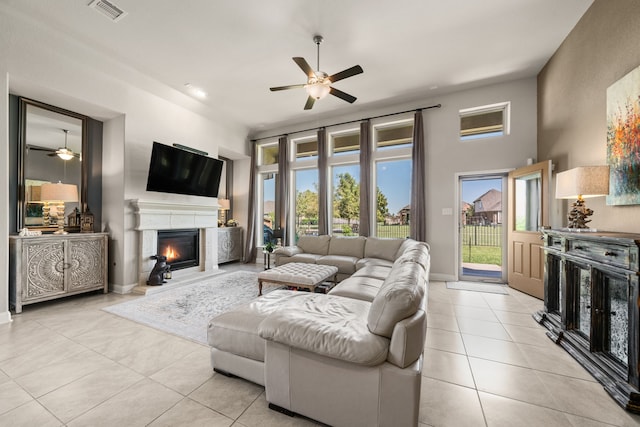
[(180, 247), (153, 217)]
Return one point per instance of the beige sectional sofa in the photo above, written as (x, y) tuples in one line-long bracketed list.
[(349, 254), (352, 357)]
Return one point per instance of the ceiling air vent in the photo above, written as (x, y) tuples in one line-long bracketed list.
[(108, 9)]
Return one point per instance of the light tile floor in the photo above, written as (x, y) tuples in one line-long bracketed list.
[(487, 363)]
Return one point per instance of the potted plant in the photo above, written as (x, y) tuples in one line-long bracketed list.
[(269, 247), (232, 223)]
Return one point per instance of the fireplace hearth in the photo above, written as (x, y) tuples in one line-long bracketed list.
[(180, 247)]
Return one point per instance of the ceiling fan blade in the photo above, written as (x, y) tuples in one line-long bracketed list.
[(356, 69), (310, 101), (36, 148), (304, 65), (342, 95), (273, 89)]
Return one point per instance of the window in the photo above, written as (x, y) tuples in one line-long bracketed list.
[(306, 202), (394, 136), (306, 149), (392, 178), (268, 208), (346, 200), (345, 143), (393, 198), (484, 122), (268, 154)]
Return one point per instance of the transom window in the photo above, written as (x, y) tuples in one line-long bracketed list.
[(345, 143), (394, 136), (483, 122)]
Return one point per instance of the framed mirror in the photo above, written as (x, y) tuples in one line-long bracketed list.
[(51, 146)]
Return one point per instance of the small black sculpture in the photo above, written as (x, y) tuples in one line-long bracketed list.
[(156, 278)]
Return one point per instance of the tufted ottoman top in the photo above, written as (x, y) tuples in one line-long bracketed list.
[(299, 273)]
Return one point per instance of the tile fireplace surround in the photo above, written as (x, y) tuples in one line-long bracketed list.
[(153, 216)]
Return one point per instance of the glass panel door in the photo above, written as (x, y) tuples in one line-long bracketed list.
[(528, 202), (583, 312), (617, 313)]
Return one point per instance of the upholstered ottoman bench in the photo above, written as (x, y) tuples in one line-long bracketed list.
[(298, 275)]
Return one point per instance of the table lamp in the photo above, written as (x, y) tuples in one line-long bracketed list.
[(58, 194), (581, 183), (223, 206)]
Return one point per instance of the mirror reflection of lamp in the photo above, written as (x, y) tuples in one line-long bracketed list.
[(58, 194), (223, 206), (580, 183)]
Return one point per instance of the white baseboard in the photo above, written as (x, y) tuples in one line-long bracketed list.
[(122, 289), (438, 277), (5, 317)]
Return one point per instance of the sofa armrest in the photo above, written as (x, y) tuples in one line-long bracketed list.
[(288, 251), (329, 326)]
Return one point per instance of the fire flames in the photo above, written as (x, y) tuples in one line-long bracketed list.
[(170, 253)]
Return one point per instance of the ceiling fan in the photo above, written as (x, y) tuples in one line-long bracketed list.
[(63, 152), (318, 82)]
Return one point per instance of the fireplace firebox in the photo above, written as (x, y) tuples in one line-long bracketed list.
[(180, 247)]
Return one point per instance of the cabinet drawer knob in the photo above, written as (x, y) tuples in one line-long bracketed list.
[(608, 253), (579, 248)]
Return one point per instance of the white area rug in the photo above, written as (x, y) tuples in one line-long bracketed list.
[(185, 311), (493, 288)]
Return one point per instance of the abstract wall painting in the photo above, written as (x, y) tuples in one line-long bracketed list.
[(623, 140)]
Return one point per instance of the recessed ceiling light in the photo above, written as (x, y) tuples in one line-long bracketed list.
[(196, 91)]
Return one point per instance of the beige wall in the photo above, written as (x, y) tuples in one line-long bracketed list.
[(602, 48)]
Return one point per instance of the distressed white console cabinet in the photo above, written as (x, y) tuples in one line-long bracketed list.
[(54, 266), (229, 244), (591, 301)]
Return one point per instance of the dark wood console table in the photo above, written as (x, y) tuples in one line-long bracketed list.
[(591, 306)]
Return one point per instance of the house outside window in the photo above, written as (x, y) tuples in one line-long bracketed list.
[(267, 175)]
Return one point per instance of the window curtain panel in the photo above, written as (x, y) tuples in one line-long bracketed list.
[(282, 192), (365, 179), (250, 243), (323, 201), (418, 218)]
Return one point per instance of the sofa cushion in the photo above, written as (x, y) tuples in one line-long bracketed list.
[(345, 264), (329, 326), (349, 246), (418, 253), (376, 271), (318, 245), (382, 248), (287, 251), (399, 297), (362, 288), (304, 257), (363, 262), (236, 331)]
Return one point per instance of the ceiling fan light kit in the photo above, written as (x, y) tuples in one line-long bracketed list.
[(65, 153), (319, 83)]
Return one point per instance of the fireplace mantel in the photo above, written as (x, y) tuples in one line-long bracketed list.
[(166, 216), (153, 216)]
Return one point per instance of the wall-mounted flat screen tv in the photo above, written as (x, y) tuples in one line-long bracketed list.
[(173, 170)]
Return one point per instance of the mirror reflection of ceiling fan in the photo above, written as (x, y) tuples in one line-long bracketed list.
[(63, 152), (318, 82)]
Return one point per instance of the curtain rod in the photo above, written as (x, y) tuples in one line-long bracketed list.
[(350, 121)]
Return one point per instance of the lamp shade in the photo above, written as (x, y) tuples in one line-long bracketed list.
[(583, 182), (59, 192), (224, 204)]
